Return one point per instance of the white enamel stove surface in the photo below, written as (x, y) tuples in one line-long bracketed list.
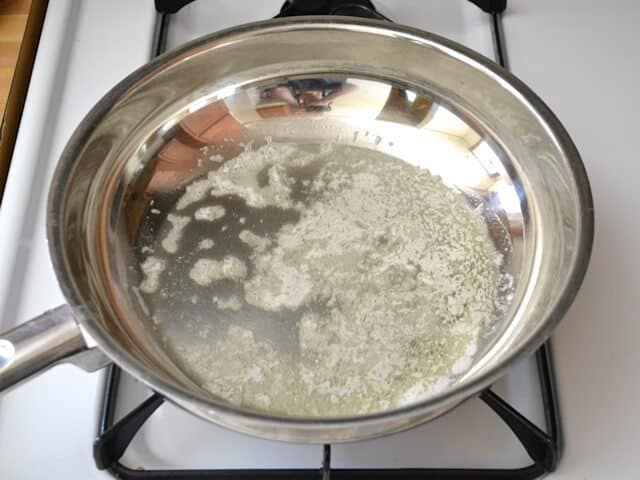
[(47, 426)]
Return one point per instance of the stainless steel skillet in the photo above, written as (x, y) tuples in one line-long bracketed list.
[(319, 79)]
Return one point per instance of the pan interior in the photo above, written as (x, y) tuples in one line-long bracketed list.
[(182, 310)]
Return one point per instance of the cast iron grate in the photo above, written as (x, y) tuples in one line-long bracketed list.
[(544, 448)]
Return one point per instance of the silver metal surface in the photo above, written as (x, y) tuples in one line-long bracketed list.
[(38, 344), (362, 83)]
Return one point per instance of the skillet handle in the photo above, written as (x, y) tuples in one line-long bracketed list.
[(34, 346)]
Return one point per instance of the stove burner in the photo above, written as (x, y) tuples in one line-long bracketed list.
[(544, 448), (349, 8)]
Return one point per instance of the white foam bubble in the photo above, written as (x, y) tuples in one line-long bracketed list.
[(206, 270), (210, 213), (151, 268), (171, 241)]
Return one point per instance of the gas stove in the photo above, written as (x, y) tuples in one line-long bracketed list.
[(121, 443), (70, 424)]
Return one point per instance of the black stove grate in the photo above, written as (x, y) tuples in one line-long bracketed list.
[(544, 448)]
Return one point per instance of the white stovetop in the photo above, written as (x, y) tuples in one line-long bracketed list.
[(579, 55)]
